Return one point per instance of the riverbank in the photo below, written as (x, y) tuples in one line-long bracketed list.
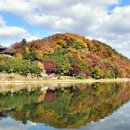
[(18, 79), (53, 83), (64, 81)]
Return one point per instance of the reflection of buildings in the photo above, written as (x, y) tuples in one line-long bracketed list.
[(6, 51)]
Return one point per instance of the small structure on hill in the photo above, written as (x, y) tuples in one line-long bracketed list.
[(6, 51)]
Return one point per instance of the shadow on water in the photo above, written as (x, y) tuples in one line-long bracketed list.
[(64, 107)]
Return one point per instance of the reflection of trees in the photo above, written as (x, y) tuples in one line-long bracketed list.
[(18, 99), (66, 107)]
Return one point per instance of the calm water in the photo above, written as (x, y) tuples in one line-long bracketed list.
[(100, 106)]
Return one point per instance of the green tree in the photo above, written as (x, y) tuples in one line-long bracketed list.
[(63, 65), (116, 72), (25, 52), (20, 66)]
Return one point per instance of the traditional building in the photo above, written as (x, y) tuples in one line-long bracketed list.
[(6, 51)]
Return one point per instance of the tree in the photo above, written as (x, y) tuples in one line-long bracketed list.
[(96, 73), (25, 52), (33, 56), (62, 62), (79, 44), (75, 70), (19, 66), (24, 42), (49, 65), (116, 72)]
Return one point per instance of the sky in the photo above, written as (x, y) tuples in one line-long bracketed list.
[(104, 20)]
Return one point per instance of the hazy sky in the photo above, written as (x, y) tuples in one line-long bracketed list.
[(105, 20)]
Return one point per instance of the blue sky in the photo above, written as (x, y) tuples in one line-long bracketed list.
[(33, 19), (14, 20)]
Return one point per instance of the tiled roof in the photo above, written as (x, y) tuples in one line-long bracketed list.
[(2, 47)]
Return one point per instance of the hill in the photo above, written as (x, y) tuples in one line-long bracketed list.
[(74, 55)]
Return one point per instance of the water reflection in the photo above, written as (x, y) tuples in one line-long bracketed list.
[(74, 106)]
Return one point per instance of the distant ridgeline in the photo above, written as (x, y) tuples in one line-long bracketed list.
[(74, 55)]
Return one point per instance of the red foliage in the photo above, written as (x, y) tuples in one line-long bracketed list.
[(94, 61), (50, 97), (35, 45), (96, 54), (76, 70), (49, 65), (17, 47), (87, 73)]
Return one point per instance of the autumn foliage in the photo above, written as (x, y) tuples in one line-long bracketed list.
[(72, 54), (49, 65)]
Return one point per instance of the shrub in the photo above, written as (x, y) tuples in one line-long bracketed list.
[(79, 44), (49, 65), (19, 65)]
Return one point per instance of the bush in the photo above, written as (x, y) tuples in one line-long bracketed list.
[(79, 44), (19, 65), (49, 65)]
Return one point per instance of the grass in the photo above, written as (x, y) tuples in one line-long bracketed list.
[(7, 78)]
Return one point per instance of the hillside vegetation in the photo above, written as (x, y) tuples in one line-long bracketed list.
[(73, 55)]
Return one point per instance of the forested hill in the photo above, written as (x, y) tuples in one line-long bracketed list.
[(74, 55)]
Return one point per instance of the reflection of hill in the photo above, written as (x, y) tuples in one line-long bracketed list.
[(66, 108)]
